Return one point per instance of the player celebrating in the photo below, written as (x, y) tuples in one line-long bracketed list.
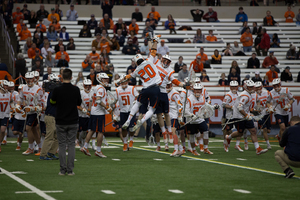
[(98, 110), (241, 110), (125, 96), (283, 100)]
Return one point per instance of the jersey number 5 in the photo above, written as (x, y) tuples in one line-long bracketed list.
[(126, 100), (150, 72)]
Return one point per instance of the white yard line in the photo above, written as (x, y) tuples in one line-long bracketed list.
[(31, 192), (176, 191), (242, 191), (108, 192)]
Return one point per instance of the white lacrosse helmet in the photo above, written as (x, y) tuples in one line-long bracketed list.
[(87, 84), (276, 84), (258, 84), (3, 85), (249, 84), (11, 84), (125, 83), (169, 86), (37, 76), (197, 89), (180, 89), (21, 86), (164, 59), (138, 57), (29, 75), (29, 78), (53, 77), (197, 80), (233, 83), (101, 76)]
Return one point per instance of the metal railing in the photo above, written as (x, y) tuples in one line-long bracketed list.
[(7, 45)]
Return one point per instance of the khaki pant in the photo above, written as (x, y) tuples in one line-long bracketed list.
[(284, 161), (50, 143)]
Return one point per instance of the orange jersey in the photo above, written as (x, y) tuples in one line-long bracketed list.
[(135, 29), (17, 16), (59, 54), (56, 26), (94, 56), (211, 38), (203, 56), (53, 15), (43, 27), (24, 34), (105, 46), (289, 15), (156, 15)]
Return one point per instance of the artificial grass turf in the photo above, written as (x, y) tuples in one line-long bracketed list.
[(138, 176)]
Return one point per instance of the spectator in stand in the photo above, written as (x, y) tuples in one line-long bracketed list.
[(286, 75), (40, 33), (257, 77), (275, 41), (204, 77), (27, 45), (25, 33), (265, 82), (32, 20), (242, 29), (211, 15), (25, 12), (106, 7), (153, 22), (59, 44), (235, 65), (42, 26), (233, 76), (63, 62), (298, 54), (137, 15), (107, 22), (253, 3), (253, 62), (17, 16), (49, 72), (100, 28), (199, 37), (60, 53), (247, 40), (241, 16), (87, 64), (56, 25), (211, 37), (204, 58), (179, 64), (131, 67), (92, 23), (132, 81), (223, 81), (147, 30), (169, 20), (255, 29), (20, 65), (145, 48), (92, 76), (197, 15), (105, 47), (6, 11), (63, 34), (79, 79), (52, 34), (227, 51), (272, 74), (96, 43), (36, 57), (130, 48), (53, 16), (42, 13), (156, 15), (270, 60), (133, 26), (247, 77), (19, 26), (162, 48), (115, 44), (269, 20), (95, 57), (213, 3), (58, 11), (46, 49), (291, 53), (71, 45), (72, 14), (49, 61), (216, 58), (237, 50), (85, 32), (197, 65), (120, 38), (289, 15), (119, 25), (264, 44), (183, 73), (38, 67)]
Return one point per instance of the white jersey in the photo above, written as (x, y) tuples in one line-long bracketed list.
[(174, 103), (125, 97), (263, 97), (229, 99), (40, 84), (5, 100), (97, 109), (31, 96), (85, 97), (246, 102), (206, 96), (148, 72), (14, 96), (44, 105), (117, 110), (193, 106), (182, 94), (274, 98)]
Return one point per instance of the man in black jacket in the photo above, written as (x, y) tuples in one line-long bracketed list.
[(197, 16), (290, 156), (253, 62), (286, 75), (106, 7), (137, 15), (130, 49)]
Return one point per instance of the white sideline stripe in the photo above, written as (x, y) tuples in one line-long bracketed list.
[(30, 192), (242, 191), (27, 185), (29, 160), (157, 159), (19, 172), (176, 191), (108, 192), (109, 147), (115, 159), (216, 162), (241, 159)]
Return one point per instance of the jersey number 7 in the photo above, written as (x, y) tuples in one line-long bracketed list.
[(3, 106)]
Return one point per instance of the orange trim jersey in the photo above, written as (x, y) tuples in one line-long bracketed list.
[(31, 96), (229, 99), (125, 97), (175, 105), (263, 98), (99, 91), (274, 98), (245, 101), (85, 97), (5, 100), (193, 106)]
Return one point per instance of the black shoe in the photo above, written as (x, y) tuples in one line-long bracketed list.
[(289, 173), (52, 156)]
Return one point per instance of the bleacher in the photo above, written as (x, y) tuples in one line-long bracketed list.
[(226, 31)]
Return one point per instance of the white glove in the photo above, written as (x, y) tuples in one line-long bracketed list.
[(249, 117), (194, 117), (98, 101), (271, 110), (180, 119), (38, 108), (84, 111), (116, 118), (156, 39), (287, 107), (109, 109), (216, 107), (134, 102)]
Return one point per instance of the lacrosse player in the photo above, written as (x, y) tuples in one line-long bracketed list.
[(156, 130), (181, 130), (279, 102), (265, 122), (98, 111), (126, 96), (244, 120)]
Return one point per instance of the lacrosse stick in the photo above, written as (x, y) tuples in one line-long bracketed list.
[(227, 122), (36, 104), (256, 118), (151, 138), (111, 99), (191, 76), (26, 103)]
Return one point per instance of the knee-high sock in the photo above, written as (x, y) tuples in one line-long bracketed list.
[(148, 114)]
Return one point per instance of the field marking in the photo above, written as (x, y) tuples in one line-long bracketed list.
[(29, 160), (108, 192), (18, 172), (242, 191), (241, 159), (0, 160), (30, 192), (115, 159), (27, 185), (215, 162), (109, 147), (157, 159), (176, 191)]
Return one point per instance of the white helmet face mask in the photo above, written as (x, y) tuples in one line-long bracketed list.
[(197, 90), (258, 87), (29, 76), (87, 85), (234, 89), (4, 85), (250, 86), (276, 84), (166, 61), (103, 79), (138, 57)]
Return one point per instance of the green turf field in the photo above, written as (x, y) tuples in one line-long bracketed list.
[(143, 173)]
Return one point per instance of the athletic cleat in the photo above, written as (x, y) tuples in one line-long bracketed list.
[(157, 148), (39, 152), (125, 125), (86, 151), (201, 148), (277, 136), (246, 146), (52, 156), (290, 173), (195, 153), (100, 154), (61, 174), (71, 173), (184, 150), (166, 148), (225, 148), (196, 144), (269, 146), (130, 144), (190, 150), (237, 147), (227, 139), (18, 148), (138, 125), (125, 147), (165, 136), (77, 145), (175, 153), (4, 142), (45, 158), (207, 151), (259, 151), (28, 151)]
